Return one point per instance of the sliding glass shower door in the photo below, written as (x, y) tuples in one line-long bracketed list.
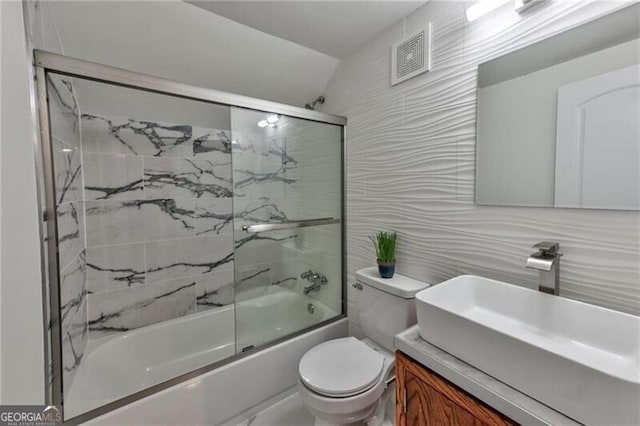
[(145, 237), (287, 177), (180, 230)]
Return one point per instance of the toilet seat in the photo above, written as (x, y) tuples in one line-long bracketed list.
[(341, 368)]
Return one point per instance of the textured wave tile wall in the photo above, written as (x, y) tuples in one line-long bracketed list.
[(410, 165)]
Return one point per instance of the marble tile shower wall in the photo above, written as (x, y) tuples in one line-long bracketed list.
[(158, 204), (288, 173), (317, 194), (263, 173), (411, 168), (65, 133)]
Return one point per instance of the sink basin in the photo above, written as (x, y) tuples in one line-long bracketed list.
[(582, 360)]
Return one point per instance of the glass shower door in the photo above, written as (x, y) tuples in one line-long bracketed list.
[(145, 241), (170, 215), (287, 204)]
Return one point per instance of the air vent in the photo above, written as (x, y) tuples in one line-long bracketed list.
[(411, 56)]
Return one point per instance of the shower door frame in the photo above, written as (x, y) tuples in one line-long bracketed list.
[(47, 62)]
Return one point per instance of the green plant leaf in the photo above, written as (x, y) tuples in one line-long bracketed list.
[(385, 244)]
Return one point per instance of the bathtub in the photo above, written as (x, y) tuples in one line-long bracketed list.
[(114, 367), (276, 314)]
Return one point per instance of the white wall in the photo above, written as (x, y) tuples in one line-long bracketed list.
[(105, 99), (1, 212), (21, 334), (410, 156), (179, 41)]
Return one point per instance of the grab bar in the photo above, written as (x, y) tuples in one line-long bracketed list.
[(266, 227)]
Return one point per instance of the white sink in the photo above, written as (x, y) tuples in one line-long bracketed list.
[(582, 360)]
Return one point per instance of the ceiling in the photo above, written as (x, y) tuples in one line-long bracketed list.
[(335, 28)]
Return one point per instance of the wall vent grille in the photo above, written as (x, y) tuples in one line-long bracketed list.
[(411, 56)]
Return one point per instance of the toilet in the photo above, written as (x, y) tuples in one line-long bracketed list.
[(345, 381)]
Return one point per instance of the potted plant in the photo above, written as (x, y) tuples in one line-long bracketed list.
[(385, 245)]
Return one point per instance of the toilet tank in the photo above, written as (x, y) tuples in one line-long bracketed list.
[(386, 306)]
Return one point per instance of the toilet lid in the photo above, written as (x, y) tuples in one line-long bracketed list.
[(341, 367)]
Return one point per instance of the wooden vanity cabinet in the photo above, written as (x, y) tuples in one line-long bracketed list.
[(425, 399)]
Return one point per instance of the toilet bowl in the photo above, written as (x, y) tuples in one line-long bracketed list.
[(346, 381), (343, 381)]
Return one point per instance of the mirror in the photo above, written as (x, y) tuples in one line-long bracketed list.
[(558, 122)]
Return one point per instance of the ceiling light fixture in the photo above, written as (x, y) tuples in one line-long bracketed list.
[(482, 7), (270, 121)]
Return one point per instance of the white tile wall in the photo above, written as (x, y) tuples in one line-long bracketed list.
[(410, 158)]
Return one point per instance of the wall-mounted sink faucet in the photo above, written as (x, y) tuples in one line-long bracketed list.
[(547, 262)]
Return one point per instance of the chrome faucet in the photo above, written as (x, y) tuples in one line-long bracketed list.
[(547, 262), (317, 281)]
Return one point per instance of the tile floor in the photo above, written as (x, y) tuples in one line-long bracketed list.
[(290, 411)]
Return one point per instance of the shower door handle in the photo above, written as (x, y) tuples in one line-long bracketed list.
[(266, 227)]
